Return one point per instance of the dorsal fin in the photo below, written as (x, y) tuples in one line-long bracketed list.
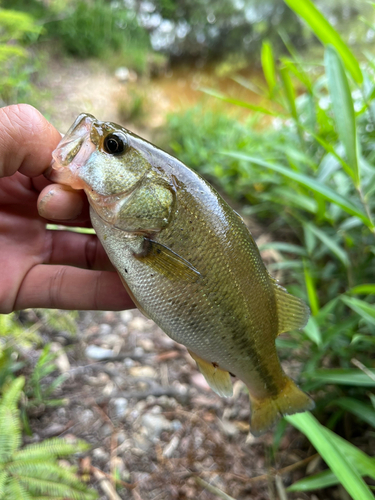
[(292, 312)]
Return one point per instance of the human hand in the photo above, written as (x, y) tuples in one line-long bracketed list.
[(40, 267)]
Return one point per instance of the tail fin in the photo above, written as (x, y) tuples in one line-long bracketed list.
[(265, 412)]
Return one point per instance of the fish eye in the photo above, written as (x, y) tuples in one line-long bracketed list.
[(115, 144)]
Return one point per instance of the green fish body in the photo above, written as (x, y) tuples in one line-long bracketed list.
[(188, 261)]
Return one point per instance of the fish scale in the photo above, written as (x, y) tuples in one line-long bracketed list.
[(189, 262)]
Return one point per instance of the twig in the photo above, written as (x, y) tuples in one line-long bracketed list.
[(280, 488), (105, 485), (284, 470), (362, 367), (130, 486), (212, 489)]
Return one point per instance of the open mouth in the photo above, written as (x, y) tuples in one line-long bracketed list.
[(72, 153)]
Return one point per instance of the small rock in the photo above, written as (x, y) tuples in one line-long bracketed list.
[(200, 382), (138, 351), (155, 424), (139, 324), (121, 405), (141, 442), (146, 344), (61, 361), (121, 436), (106, 430), (171, 447), (98, 353), (129, 362), (104, 329), (100, 455), (143, 371), (53, 430), (122, 74), (86, 416), (228, 427), (126, 316)]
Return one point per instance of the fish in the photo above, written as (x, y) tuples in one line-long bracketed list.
[(188, 261)]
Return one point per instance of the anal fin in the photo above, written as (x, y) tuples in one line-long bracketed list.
[(292, 312), (219, 380)]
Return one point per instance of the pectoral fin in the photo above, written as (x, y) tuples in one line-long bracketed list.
[(164, 261), (219, 380), (292, 312)]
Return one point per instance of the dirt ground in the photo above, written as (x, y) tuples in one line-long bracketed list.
[(153, 422), (137, 397)]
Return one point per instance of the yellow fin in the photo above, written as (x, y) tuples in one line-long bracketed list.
[(164, 261), (218, 379), (292, 312), (265, 412)]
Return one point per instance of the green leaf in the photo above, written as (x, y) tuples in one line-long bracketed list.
[(316, 482), (289, 92), (343, 109), (327, 447), (342, 376), (299, 73), (365, 310), (268, 65), (361, 410), (327, 34), (311, 289), (284, 247), (237, 102), (330, 244), (310, 183), (363, 338), (367, 288), (312, 330)]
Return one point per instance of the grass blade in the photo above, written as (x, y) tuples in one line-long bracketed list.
[(367, 288), (343, 109), (361, 410), (330, 244), (310, 183), (326, 34), (365, 310), (237, 102), (321, 439), (311, 289), (316, 482), (312, 330), (268, 65), (342, 376)]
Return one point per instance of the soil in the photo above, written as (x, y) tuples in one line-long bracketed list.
[(135, 395), (153, 422)]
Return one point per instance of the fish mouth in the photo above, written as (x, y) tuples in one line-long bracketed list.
[(72, 153)]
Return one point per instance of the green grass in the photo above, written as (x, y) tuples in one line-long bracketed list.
[(309, 175)]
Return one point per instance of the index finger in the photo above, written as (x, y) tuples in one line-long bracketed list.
[(27, 140)]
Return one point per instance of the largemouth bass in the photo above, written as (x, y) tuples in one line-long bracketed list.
[(187, 260)]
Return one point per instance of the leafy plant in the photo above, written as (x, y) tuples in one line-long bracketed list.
[(99, 29), (17, 31), (310, 176), (38, 390), (33, 471)]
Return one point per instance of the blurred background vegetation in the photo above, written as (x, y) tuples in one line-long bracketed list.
[(280, 117)]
